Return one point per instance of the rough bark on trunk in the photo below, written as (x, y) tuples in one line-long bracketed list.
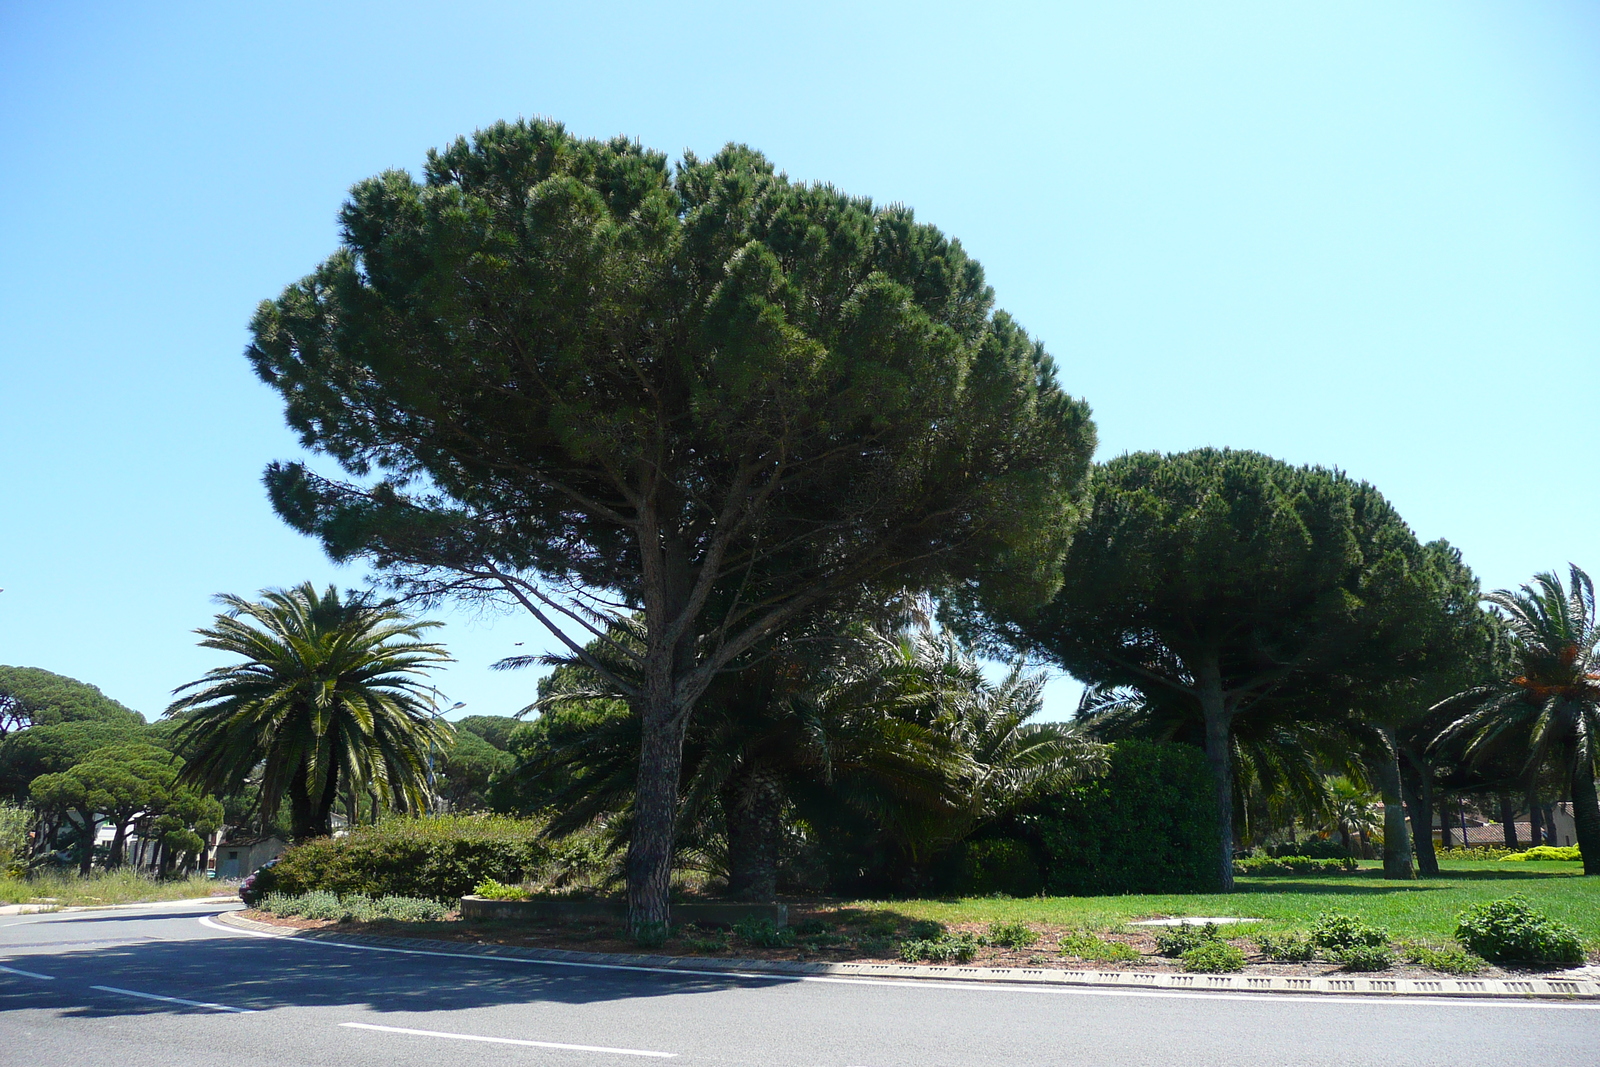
[(1414, 779), (119, 841), (1508, 820), (752, 807), (1396, 838), (1586, 814), (655, 821), (1219, 757), (86, 859), (323, 826)]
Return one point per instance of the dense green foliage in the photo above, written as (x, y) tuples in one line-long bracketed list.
[(1513, 929), (1213, 957), (1244, 600), (710, 393), (328, 697), (36, 697), (441, 858), (1147, 826), (1546, 854)]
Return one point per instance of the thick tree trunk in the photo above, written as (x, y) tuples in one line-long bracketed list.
[(302, 827), (86, 849), (1396, 839), (1414, 779), (655, 822), (752, 807), (1508, 820), (323, 819), (118, 843), (1550, 825), (1586, 814), (1219, 757)]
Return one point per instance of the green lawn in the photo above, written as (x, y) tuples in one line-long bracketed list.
[(118, 887), (1424, 909)]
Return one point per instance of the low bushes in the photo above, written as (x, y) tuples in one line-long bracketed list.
[(1096, 949), (958, 947), (1514, 930), (320, 904), (1176, 940), (1558, 853), (1213, 957), (1292, 865), (1444, 960), (440, 858), (1011, 935), (1287, 948)]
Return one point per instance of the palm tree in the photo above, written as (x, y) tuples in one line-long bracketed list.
[(1351, 810), (1548, 704), (330, 696)]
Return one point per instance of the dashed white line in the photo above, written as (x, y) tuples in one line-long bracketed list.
[(510, 1041), (173, 1000), (28, 974)]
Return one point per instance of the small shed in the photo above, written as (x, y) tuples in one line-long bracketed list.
[(237, 859)]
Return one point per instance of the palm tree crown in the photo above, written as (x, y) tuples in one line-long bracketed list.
[(1549, 702), (329, 696)]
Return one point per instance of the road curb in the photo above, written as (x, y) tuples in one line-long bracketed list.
[(1341, 985)]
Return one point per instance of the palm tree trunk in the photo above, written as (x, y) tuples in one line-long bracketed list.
[(1396, 838), (1219, 757), (1415, 781), (1535, 821), (1586, 813), (300, 814), (753, 810), (326, 800), (1508, 820)]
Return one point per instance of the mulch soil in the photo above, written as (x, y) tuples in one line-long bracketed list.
[(830, 935)]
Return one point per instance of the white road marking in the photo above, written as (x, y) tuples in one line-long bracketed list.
[(510, 1041), (173, 1000), (965, 987), (28, 974)]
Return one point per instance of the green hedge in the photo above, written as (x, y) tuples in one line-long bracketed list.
[(1148, 826), (440, 858)]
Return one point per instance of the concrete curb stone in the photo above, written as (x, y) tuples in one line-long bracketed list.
[(1559, 987)]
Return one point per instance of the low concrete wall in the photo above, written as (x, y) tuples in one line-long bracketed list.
[(553, 910)]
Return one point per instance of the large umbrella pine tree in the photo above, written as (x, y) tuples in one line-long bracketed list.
[(330, 693), (1224, 582), (572, 378)]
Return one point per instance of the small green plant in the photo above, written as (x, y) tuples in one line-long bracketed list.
[(1097, 950), (320, 904), (1335, 931), (1513, 929), (761, 933), (650, 935), (490, 889), (1546, 853), (961, 947), (877, 947), (1176, 940), (811, 928), (1012, 935), (1364, 958), (1213, 957), (1444, 960), (1287, 948)]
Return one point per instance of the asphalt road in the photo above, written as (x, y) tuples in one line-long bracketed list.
[(159, 986)]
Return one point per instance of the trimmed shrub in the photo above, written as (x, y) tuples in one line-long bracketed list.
[(1148, 826), (1011, 935), (489, 889), (1213, 957), (1558, 853), (1287, 948), (1316, 848), (1292, 865), (1476, 852), (1513, 929), (996, 865), (320, 904), (439, 858)]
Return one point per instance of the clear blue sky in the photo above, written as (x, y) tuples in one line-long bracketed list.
[(1362, 235)]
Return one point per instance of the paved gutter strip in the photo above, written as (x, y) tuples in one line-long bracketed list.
[(1521, 988)]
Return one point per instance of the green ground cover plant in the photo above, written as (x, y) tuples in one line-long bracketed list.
[(1451, 960), (1546, 853), (320, 904), (1287, 948), (1094, 949), (1177, 940), (1514, 930), (1213, 957), (1011, 935), (113, 887), (1423, 910)]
